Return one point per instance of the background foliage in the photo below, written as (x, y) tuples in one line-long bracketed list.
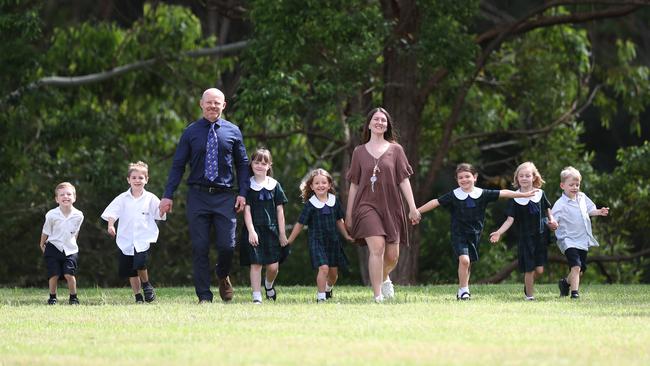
[(568, 94)]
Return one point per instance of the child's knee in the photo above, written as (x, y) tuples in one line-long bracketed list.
[(324, 269), (463, 261), (539, 271)]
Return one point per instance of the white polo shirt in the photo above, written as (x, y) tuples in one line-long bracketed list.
[(574, 224), (62, 231), (137, 226)]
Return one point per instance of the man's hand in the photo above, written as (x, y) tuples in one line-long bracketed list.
[(240, 204), (165, 206)]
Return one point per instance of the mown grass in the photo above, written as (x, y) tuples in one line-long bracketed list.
[(423, 325)]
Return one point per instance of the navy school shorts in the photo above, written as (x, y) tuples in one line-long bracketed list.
[(576, 258), (129, 265), (58, 264)]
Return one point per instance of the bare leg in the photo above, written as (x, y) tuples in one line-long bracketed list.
[(321, 278), (272, 271), (136, 284), (144, 275), (376, 249), (72, 284), (52, 284), (256, 277), (529, 282), (391, 255), (333, 276), (463, 270), (574, 278)]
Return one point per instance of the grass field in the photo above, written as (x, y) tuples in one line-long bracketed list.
[(423, 325)]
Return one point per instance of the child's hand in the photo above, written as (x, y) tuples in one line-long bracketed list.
[(530, 193), (111, 231), (283, 240), (252, 238), (42, 245), (552, 224), (603, 211), (494, 237), (349, 238), (415, 216)]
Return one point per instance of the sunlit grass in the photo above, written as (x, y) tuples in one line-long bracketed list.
[(423, 325)]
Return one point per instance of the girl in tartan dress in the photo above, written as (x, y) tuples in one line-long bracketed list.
[(323, 215), (263, 239), (467, 205), (532, 216)]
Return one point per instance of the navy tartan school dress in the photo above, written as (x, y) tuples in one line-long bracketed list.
[(325, 243), (263, 200), (533, 237), (467, 218)]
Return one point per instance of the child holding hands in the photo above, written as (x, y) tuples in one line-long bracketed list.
[(532, 216), (467, 205), (59, 241), (574, 236), (323, 215), (136, 209), (264, 241)]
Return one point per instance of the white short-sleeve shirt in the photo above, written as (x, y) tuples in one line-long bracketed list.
[(62, 230), (137, 220), (574, 224)]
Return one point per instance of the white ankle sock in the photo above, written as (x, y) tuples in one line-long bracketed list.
[(320, 296), (268, 284), (328, 287), (257, 295)]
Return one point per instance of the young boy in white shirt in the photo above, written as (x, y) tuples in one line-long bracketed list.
[(574, 236), (136, 209), (59, 241)]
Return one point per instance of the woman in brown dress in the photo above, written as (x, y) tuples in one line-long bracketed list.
[(375, 212)]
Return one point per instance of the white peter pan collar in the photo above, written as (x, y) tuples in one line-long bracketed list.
[(331, 200), (269, 184), (524, 200), (462, 195)]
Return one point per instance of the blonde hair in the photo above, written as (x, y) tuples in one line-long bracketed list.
[(65, 185), (305, 187), (538, 181), (139, 166), (569, 172), (263, 155)]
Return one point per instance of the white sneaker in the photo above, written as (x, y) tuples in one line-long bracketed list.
[(387, 289), (379, 299), (529, 298)]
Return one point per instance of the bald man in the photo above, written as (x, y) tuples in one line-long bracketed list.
[(215, 149)]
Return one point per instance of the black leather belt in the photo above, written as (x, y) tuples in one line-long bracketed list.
[(211, 190)]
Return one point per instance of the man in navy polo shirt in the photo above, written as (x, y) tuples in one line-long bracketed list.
[(214, 148)]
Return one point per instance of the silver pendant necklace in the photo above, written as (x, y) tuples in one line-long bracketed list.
[(373, 179)]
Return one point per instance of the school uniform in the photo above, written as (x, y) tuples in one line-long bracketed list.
[(325, 243), (136, 228), (533, 237), (467, 218), (574, 234), (264, 200), (61, 250)]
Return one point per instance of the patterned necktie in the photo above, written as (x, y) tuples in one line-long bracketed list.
[(211, 161)]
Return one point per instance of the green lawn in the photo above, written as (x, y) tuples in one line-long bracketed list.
[(423, 325)]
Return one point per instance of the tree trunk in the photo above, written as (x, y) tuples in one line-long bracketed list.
[(402, 101)]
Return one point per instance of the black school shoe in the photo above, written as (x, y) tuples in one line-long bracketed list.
[(464, 296), (149, 293), (139, 299), (564, 287), (74, 301), (51, 301), (328, 294), (271, 294), (575, 295)]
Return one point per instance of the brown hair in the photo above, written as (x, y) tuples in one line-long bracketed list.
[(138, 166), (305, 187), (388, 135), (465, 167), (65, 185), (263, 155), (537, 178)]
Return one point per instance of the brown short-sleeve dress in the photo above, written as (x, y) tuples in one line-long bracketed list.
[(379, 213)]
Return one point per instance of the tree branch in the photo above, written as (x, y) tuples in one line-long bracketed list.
[(618, 9), (117, 71), (504, 272)]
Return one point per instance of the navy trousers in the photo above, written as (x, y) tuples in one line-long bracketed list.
[(206, 212)]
